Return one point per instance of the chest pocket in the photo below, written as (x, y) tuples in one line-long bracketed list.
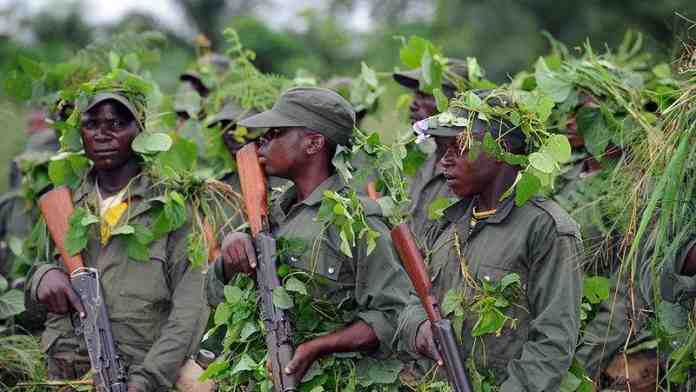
[(148, 280)]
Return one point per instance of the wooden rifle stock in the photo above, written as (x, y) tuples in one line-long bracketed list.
[(415, 268), (57, 206), (253, 182)]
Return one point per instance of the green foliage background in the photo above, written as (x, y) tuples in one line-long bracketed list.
[(503, 34)]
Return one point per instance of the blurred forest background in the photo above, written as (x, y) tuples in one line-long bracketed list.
[(330, 37)]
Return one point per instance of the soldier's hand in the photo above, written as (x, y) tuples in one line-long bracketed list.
[(425, 343), (305, 355), (56, 292), (238, 254)]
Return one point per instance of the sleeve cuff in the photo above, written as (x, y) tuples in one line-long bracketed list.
[(383, 329), (409, 322), (36, 278), (216, 287), (140, 382)]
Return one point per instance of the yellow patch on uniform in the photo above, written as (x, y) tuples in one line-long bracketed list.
[(110, 219)]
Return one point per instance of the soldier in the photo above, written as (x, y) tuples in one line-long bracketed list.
[(486, 239), (305, 127), (157, 308), (622, 321), (195, 85), (428, 184)]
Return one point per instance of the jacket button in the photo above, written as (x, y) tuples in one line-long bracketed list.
[(293, 259), (331, 270)]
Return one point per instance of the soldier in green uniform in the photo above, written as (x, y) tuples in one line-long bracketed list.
[(622, 321), (157, 308), (489, 238), (305, 127), (428, 184)]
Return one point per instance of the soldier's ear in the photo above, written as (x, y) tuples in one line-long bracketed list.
[(315, 143)]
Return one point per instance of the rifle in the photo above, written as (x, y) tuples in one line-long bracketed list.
[(442, 328), (278, 327), (56, 207)]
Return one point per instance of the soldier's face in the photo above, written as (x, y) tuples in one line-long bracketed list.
[(466, 177), (281, 151), (108, 130), (422, 106)]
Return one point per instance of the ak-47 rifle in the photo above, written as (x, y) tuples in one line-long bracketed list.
[(278, 328), (442, 328), (56, 207)]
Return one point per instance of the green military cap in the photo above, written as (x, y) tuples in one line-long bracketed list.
[(106, 96), (456, 120), (318, 109), (413, 77)]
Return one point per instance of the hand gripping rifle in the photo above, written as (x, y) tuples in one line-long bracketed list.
[(278, 327), (56, 207), (442, 328)]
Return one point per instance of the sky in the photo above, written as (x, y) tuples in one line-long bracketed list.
[(281, 13)]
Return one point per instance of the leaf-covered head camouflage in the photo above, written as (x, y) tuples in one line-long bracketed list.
[(318, 109), (457, 120), (413, 77)]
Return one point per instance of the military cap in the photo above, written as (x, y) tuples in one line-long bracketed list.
[(413, 77), (456, 120), (318, 109), (108, 96)]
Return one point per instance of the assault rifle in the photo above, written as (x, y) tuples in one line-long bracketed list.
[(442, 328), (110, 375), (278, 328)]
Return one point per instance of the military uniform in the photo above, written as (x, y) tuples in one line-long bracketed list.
[(158, 309), (622, 320), (539, 242), (427, 185)]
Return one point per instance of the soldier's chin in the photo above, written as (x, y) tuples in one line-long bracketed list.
[(105, 164)]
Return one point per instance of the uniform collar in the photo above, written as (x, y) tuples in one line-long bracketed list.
[(139, 187), (465, 207)]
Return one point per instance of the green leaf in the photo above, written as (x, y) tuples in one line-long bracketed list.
[(233, 294), (431, 71), (18, 85), (593, 129), (662, 71), (16, 246), (385, 371), (181, 157), (387, 205), (136, 250), (441, 100), (114, 60), (558, 147), (244, 364), (11, 304), (142, 234), (248, 329), (131, 61), (222, 314), (452, 302), (295, 285), (89, 219), (595, 289), (151, 143), (437, 208), (30, 67), (281, 298), (3, 284), (412, 53), (369, 75), (197, 251), (414, 159), (542, 161), (526, 187), (509, 279), (123, 230), (550, 83), (489, 321), (570, 383), (215, 369), (76, 239)]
